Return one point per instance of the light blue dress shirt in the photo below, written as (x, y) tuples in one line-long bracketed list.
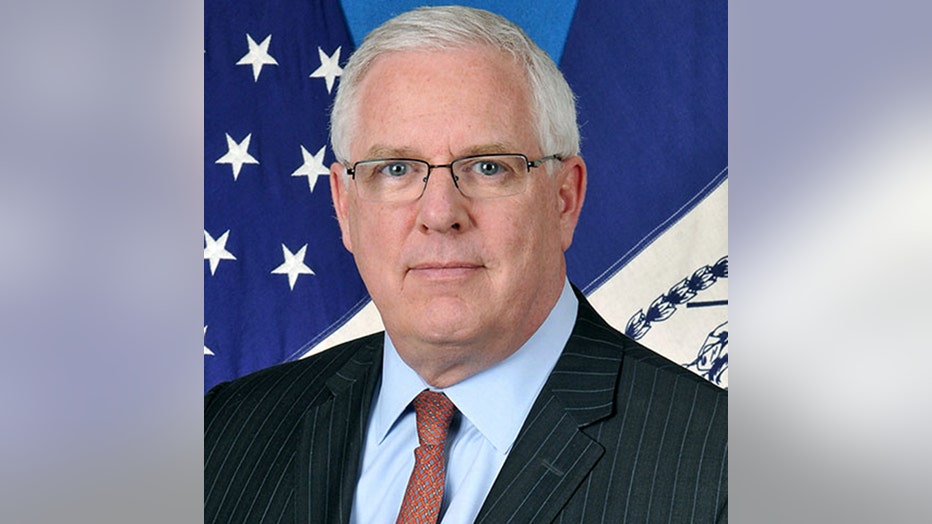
[(491, 408)]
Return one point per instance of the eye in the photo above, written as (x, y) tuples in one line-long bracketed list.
[(395, 169), (487, 167)]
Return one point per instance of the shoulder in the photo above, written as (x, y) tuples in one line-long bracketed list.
[(666, 430), (283, 386), (253, 427)]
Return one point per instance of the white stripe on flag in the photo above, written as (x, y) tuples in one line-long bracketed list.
[(698, 239), (365, 322)]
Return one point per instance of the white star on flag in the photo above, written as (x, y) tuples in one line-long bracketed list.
[(206, 350), (257, 56), (293, 265), (237, 154), (313, 166), (216, 250), (329, 67)]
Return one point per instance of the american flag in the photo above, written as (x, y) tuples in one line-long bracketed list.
[(276, 277), (651, 246)]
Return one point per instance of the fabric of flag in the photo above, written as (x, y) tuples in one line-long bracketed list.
[(650, 250), (276, 277)]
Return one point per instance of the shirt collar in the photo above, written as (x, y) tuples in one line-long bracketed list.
[(496, 400)]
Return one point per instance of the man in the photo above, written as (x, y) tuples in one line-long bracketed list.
[(457, 190)]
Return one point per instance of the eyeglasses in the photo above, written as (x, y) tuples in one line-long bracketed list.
[(478, 176)]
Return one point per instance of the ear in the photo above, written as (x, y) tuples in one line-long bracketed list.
[(571, 194), (339, 189)]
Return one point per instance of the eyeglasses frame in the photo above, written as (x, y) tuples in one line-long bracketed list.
[(351, 171)]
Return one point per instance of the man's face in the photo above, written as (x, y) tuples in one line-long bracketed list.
[(460, 283)]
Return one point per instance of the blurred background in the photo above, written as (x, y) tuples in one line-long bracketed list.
[(101, 292)]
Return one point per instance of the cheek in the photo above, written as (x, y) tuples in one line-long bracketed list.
[(530, 238), (377, 237)]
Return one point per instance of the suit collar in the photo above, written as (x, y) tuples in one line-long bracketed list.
[(333, 432), (363, 366), (585, 376), (553, 455)]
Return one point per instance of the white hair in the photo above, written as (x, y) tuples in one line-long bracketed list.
[(456, 27)]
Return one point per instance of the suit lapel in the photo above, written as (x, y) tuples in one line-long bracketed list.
[(333, 433), (552, 455)]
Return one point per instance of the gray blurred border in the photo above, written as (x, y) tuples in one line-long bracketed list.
[(100, 270), (830, 126), (101, 125)]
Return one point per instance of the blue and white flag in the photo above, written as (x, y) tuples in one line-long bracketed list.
[(650, 250)]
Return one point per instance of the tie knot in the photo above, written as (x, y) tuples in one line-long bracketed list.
[(434, 412)]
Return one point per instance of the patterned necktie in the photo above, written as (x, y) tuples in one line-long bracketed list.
[(424, 493)]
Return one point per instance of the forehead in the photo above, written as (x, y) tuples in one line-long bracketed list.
[(443, 101)]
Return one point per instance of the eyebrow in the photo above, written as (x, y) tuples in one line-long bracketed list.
[(384, 151)]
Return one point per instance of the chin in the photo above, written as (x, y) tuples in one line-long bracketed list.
[(447, 330)]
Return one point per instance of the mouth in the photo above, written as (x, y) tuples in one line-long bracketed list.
[(443, 270)]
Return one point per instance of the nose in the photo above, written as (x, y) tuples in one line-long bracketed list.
[(442, 207)]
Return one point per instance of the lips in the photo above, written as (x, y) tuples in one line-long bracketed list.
[(445, 265), (443, 270)]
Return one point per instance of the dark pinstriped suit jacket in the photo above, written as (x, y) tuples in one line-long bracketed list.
[(618, 434)]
